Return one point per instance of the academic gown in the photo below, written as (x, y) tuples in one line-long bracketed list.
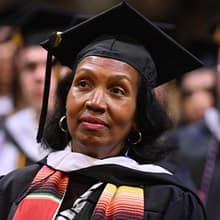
[(6, 104), (193, 143), (18, 141), (164, 197)]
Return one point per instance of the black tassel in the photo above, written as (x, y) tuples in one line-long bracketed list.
[(54, 41)]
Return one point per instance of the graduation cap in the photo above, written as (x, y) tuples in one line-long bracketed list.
[(168, 28), (9, 18), (129, 37), (10, 15), (42, 19)]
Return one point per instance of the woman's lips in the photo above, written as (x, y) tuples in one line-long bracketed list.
[(92, 123)]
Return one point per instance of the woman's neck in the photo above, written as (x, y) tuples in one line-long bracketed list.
[(96, 152)]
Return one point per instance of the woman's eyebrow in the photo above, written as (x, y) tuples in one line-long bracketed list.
[(86, 71), (122, 77), (90, 72)]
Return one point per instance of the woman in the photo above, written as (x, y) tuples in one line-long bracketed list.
[(103, 133)]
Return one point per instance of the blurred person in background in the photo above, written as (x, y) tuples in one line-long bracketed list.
[(10, 41), (197, 89), (7, 76), (197, 94), (197, 137), (18, 146)]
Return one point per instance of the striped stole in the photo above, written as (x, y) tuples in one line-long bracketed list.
[(45, 195), (123, 202), (47, 191)]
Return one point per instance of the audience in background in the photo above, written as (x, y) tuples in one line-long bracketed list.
[(197, 94), (9, 90), (18, 133), (197, 136)]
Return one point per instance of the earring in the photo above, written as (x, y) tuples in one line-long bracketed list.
[(61, 121), (138, 138)]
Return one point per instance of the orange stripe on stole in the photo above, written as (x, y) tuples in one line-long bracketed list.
[(123, 202)]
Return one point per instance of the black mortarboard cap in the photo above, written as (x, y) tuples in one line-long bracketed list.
[(168, 28), (43, 19), (9, 19), (10, 15), (169, 57)]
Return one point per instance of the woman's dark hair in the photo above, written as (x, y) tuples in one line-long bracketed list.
[(152, 122), (53, 137)]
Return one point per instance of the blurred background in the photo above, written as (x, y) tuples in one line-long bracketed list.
[(191, 18)]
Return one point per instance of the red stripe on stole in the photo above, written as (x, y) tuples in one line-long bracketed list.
[(32, 209)]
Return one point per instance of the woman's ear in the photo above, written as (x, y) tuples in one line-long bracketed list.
[(135, 135), (135, 126)]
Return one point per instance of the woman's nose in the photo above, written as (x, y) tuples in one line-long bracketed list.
[(96, 101)]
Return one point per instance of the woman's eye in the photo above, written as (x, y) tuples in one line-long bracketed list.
[(82, 84), (117, 91)]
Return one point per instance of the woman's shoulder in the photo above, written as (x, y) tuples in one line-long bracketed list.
[(164, 194), (19, 177), (173, 202), (13, 185)]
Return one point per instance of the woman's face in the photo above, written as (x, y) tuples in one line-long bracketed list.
[(101, 106)]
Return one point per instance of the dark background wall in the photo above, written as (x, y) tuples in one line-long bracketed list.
[(190, 17)]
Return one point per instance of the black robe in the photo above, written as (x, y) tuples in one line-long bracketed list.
[(164, 197), (192, 144)]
